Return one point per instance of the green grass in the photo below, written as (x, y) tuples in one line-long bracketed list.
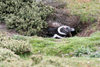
[(49, 52), (68, 62), (59, 47), (52, 61), (88, 11)]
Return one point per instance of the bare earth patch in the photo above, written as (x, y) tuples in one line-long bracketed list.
[(3, 29)]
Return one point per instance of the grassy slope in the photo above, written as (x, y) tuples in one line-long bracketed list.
[(74, 46), (86, 9), (59, 47), (50, 49)]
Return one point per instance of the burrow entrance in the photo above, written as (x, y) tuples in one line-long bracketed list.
[(61, 16)]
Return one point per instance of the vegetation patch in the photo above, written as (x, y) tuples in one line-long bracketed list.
[(26, 17), (88, 11), (17, 46), (73, 46), (15, 63), (7, 54), (51, 61)]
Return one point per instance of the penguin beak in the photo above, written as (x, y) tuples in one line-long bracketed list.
[(72, 29)]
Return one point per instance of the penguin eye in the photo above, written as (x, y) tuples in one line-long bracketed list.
[(67, 28)]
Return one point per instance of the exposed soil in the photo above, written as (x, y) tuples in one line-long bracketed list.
[(63, 16), (4, 30), (90, 29)]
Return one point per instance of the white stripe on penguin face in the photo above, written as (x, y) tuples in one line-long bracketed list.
[(59, 29)]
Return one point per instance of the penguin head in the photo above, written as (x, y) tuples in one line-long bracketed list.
[(64, 30)]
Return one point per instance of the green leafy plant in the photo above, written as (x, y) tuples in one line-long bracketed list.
[(26, 17), (19, 47), (95, 54), (6, 53), (82, 51)]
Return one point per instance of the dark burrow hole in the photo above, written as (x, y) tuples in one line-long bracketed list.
[(47, 34), (80, 27)]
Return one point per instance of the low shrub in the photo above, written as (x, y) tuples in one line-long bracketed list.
[(26, 17), (7, 54), (19, 47), (83, 51), (95, 54)]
